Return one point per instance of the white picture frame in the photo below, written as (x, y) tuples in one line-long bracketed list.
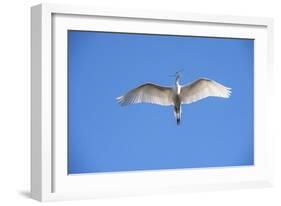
[(49, 178)]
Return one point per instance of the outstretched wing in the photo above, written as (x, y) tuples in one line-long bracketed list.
[(148, 93), (203, 88)]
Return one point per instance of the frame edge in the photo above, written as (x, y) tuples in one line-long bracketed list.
[(36, 118)]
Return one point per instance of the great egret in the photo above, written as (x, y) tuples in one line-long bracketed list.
[(175, 96)]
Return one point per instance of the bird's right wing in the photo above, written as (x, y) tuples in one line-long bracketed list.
[(203, 88), (148, 93)]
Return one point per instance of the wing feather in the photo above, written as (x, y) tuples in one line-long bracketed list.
[(203, 88), (148, 93)]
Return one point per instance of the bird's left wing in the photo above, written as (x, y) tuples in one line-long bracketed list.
[(203, 88), (148, 93)]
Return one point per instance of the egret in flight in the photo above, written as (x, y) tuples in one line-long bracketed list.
[(175, 96)]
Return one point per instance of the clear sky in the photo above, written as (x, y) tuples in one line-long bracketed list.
[(105, 137)]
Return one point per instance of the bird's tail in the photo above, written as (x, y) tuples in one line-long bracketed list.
[(177, 113)]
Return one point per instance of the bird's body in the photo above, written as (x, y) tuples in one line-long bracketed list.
[(177, 101), (175, 96)]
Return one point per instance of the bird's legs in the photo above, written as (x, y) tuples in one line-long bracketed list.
[(177, 113)]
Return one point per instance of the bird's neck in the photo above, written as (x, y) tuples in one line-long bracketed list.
[(177, 86)]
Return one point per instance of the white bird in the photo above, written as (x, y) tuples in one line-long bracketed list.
[(175, 96)]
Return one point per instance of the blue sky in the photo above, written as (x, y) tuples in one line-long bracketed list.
[(105, 137)]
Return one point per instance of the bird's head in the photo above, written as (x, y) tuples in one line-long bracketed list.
[(177, 75)]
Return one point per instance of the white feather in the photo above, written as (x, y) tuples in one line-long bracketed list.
[(148, 93), (203, 88)]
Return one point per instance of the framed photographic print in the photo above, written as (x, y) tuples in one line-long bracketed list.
[(136, 102)]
